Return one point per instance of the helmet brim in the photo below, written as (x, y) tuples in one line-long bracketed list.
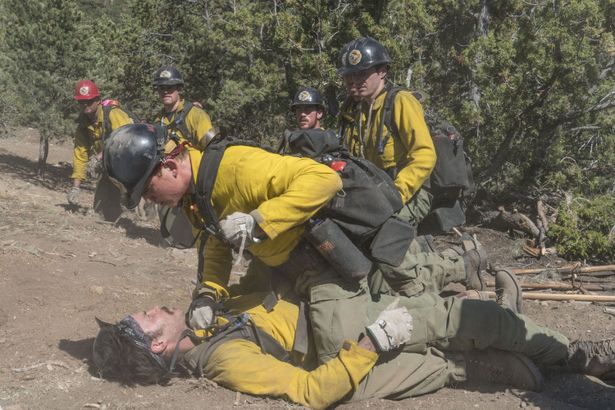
[(168, 82), (133, 196)]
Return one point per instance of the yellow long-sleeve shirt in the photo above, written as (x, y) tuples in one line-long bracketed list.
[(240, 364), (282, 193), (410, 150), (197, 122), (88, 137)]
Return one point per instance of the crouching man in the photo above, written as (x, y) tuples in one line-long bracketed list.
[(399, 354)]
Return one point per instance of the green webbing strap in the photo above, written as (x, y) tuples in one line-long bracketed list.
[(179, 122), (301, 343), (242, 327)]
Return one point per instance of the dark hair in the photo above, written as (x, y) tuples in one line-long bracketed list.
[(118, 358)]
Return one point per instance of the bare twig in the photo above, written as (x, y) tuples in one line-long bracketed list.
[(36, 366), (560, 296), (576, 268)]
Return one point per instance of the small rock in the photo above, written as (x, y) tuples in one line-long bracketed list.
[(544, 303), (96, 289)]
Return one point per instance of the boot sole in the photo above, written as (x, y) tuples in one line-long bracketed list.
[(538, 378)]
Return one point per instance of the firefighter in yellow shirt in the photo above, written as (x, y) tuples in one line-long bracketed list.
[(401, 354), (97, 119), (406, 153), (308, 107), (183, 119)]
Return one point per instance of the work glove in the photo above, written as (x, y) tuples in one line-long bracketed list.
[(392, 328), (201, 313), (72, 196), (95, 167), (238, 229)]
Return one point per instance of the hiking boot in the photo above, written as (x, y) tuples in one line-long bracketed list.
[(495, 366), (593, 358), (475, 261), (507, 291)]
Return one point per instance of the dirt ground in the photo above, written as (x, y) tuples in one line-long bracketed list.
[(60, 267)]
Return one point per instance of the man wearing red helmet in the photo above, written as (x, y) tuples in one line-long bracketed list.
[(97, 118)]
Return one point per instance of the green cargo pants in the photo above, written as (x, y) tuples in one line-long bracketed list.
[(338, 312), (333, 299)]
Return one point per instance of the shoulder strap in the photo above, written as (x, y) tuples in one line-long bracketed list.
[(242, 328), (205, 181), (179, 122), (387, 114), (343, 121)]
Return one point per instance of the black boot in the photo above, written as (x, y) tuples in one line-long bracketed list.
[(495, 366), (593, 358)]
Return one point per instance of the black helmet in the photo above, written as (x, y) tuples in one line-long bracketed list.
[(307, 96), (361, 54), (167, 76), (131, 154)]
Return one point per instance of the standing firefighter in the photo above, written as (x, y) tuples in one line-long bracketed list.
[(308, 107), (405, 152), (182, 119), (97, 119)]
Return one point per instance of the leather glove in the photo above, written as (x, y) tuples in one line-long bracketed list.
[(95, 167), (238, 225), (201, 313), (72, 196), (392, 328)]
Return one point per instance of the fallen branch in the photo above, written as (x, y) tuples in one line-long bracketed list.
[(560, 286), (566, 269), (504, 220), (560, 296)]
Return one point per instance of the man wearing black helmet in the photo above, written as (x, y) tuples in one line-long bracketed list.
[(406, 153), (308, 107), (182, 119)]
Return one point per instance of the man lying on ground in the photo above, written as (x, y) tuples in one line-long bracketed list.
[(400, 354)]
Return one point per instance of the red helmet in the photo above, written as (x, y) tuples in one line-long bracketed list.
[(86, 90)]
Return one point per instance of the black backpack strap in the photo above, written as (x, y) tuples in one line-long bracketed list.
[(205, 181), (387, 114), (179, 122)]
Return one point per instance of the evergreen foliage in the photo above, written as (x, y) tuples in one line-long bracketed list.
[(530, 85)]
